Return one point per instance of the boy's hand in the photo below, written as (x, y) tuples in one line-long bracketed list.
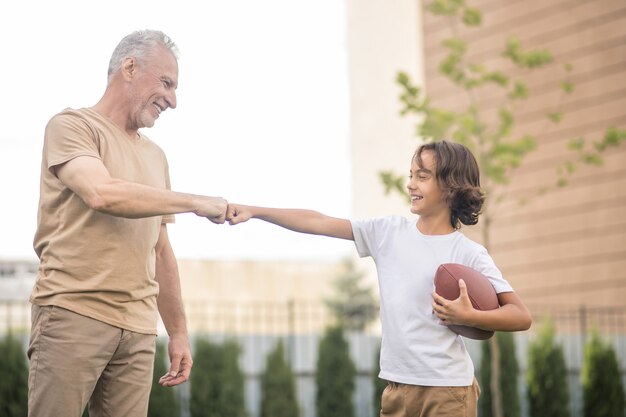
[(457, 311), (237, 214)]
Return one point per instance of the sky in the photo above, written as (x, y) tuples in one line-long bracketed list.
[(262, 115)]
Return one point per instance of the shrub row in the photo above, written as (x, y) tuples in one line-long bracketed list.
[(217, 382)]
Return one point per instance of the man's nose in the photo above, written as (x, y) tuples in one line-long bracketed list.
[(171, 100)]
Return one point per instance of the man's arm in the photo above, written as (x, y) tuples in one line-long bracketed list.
[(90, 180), (172, 313), (297, 220)]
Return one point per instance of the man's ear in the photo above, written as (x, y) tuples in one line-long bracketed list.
[(129, 68)]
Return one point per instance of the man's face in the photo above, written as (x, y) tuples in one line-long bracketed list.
[(154, 89)]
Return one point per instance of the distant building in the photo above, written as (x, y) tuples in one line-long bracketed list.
[(272, 297), (17, 279), (16, 282)]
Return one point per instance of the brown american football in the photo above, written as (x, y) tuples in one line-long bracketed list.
[(481, 293)]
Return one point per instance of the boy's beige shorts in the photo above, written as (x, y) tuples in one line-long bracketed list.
[(403, 400)]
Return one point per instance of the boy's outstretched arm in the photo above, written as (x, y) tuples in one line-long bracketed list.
[(298, 220)]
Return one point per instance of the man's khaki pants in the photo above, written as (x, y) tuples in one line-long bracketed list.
[(75, 359), (403, 400)]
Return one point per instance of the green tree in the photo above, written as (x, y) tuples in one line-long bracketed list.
[(278, 386), (353, 304), (14, 383), (204, 390), (217, 383), (163, 400), (603, 391), (379, 384), (489, 133), (232, 381), (548, 394), (509, 371), (335, 376)]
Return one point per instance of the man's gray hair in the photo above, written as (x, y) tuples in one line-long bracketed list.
[(139, 44)]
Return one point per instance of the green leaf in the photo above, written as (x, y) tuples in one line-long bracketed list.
[(402, 78), (504, 156), (612, 137), (567, 87), (555, 117), (531, 59), (536, 59), (506, 123), (497, 77), (591, 159), (445, 7), (411, 96), (393, 183), (520, 91), (437, 123), (576, 144), (456, 46), (472, 17)]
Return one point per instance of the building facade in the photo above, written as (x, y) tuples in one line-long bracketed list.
[(567, 247)]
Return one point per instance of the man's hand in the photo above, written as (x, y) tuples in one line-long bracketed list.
[(457, 311), (180, 362), (238, 214), (213, 208)]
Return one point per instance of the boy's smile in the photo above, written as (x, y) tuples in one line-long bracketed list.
[(427, 199)]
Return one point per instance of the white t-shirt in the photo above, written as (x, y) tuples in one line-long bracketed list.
[(416, 349)]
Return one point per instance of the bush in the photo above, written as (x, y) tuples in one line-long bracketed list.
[(379, 384), (548, 394), (354, 304), (217, 383), (603, 391), (335, 376), (509, 371), (14, 381), (163, 400), (278, 386)]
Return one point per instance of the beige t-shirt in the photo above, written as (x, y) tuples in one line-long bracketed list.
[(92, 263)]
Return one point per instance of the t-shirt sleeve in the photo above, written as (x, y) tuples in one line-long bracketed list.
[(68, 136), (366, 234), (484, 264)]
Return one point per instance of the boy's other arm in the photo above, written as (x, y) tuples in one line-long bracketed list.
[(511, 316), (297, 220)]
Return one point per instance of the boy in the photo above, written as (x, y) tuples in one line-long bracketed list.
[(427, 365)]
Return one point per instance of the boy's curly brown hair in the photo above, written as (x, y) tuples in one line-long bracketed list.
[(458, 176)]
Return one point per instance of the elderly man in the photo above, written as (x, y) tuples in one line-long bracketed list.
[(106, 264)]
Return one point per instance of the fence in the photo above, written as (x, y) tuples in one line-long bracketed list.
[(235, 317), (257, 326)]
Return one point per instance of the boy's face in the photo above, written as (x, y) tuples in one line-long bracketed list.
[(427, 199)]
